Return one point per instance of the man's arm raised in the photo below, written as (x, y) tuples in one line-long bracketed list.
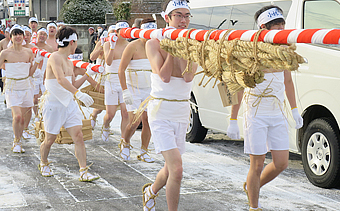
[(162, 66), (108, 53)]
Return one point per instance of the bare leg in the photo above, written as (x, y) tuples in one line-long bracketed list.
[(173, 161), (125, 119), (146, 133), (27, 116), (253, 178), (273, 169), (18, 121), (110, 113), (36, 101), (79, 145), (130, 128), (95, 113), (45, 146)]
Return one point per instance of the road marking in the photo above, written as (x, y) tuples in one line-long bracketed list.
[(10, 194)]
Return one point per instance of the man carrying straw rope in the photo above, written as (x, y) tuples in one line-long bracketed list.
[(134, 76), (169, 109), (59, 107), (19, 66), (265, 125), (113, 51)]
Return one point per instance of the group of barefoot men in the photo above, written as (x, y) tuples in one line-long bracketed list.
[(140, 71)]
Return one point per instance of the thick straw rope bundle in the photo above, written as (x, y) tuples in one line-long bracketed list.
[(238, 63)]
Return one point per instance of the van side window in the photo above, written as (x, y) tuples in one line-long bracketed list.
[(239, 17), (201, 18), (321, 14)]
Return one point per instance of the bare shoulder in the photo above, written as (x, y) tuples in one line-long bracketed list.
[(154, 43)]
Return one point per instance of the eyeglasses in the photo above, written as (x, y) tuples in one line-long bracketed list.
[(180, 16)]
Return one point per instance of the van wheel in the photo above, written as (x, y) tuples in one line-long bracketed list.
[(195, 132), (321, 153)]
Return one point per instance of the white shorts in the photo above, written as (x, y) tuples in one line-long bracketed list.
[(168, 135), (3, 73), (22, 98), (265, 133), (38, 87), (138, 95), (113, 94), (56, 115)]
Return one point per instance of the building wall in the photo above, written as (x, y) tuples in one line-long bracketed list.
[(46, 9)]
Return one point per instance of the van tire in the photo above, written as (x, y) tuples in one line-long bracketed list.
[(196, 132), (321, 153)]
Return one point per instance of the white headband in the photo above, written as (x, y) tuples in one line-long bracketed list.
[(51, 24), (150, 25), (16, 26), (60, 23), (112, 27), (8, 29), (42, 30), (268, 16), (69, 39), (32, 19), (173, 5), (25, 28), (122, 25)]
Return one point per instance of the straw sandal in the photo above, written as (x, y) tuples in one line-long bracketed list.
[(26, 134), (145, 157), (106, 133), (258, 209), (93, 121), (45, 169), (17, 148), (85, 176), (149, 202), (124, 154)]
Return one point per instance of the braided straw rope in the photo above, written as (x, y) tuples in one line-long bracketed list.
[(238, 63)]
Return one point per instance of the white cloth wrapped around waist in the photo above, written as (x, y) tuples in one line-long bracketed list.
[(266, 99), (17, 76), (112, 71), (173, 99), (58, 93), (138, 73)]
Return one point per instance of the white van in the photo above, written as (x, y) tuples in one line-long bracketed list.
[(317, 83)]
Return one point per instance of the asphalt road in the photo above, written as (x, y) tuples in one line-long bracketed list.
[(214, 172)]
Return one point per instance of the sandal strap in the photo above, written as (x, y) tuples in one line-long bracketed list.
[(151, 196), (42, 169), (84, 170)]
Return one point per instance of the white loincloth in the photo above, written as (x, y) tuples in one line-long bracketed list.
[(58, 93), (17, 76), (59, 107), (168, 135), (112, 72), (138, 97), (266, 106), (56, 115), (113, 90), (176, 89), (138, 73)]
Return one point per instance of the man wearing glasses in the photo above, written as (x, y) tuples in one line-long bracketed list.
[(169, 109)]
